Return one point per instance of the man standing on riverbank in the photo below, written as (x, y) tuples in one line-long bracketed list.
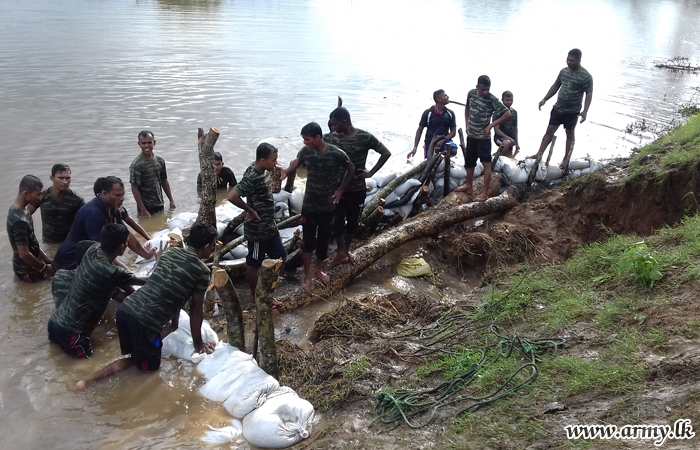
[(356, 144), (29, 261), (574, 81), (149, 178), (260, 229), (59, 205), (481, 106), (323, 163), (438, 120)]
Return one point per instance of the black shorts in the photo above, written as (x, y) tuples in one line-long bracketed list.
[(316, 229), (143, 344), (478, 149), (151, 209), (348, 212), (257, 251), (75, 345), (569, 120)]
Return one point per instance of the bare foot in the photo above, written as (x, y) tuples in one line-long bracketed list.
[(466, 189), (482, 198), (531, 157), (351, 259), (325, 279), (340, 259), (276, 303), (564, 168), (516, 152), (80, 386), (308, 286)]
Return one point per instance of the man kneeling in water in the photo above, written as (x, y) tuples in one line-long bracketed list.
[(180, 275)]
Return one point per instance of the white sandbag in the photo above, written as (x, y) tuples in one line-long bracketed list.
[(162, 233), (240, 251), (595, 165), (368, 199), (253, 392), (541, 174), (516, 173), (145, 269), (280, 422), (224, 435), (296, 200), (391, 198), (553, 173), (220, 227), (159, 241), (499, 164), (281, 196), (223, 384), (478, 170), (405, 186), (182, 220), (179, 342), (288, 233), (579, 164), (441, 167), (224, 357), (281, 211), (371, 184), (458, 181), (384, 179), (459, 171), (573, 174), (226, 212), (373, 191)]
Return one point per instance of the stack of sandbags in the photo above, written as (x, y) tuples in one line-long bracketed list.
[(179, 342), (583, 167)]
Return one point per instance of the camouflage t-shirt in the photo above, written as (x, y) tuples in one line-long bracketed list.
[(93, 283), (256, 187), (57, 214), (60, 285), (574, 83), (511, 124), (149, 174), (322, 180), (356, 147), (179, 276), (224, 180), (20, 230), (480, 112)]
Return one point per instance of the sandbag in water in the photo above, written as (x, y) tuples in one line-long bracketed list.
[(223, 384), (280, 422), (224, 435), (253, 391), (224, 357), (159, 241), (179, 342), (182, 220)]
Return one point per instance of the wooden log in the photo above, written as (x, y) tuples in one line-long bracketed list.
[(237, 269), (389, 188), (232, 307), (462, 145), (229, 233), (446, 188), (369, 225), (207, 203), (496, 156), (267, 281), (276, 179), (424, 225), (217, 253), (286, 223), (420, 201)]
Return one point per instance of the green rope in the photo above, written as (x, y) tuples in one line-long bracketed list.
[(405, 404)]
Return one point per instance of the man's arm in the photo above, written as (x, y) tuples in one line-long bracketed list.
[(384, 155), (503, 118), (293, 166), (196, 317), (466, 118), (553, 90), (349, 173), (586, 105), (138, 228), (168, 193), (139, 201), (137, 248), (174, 322), (32, 261), (416, 141), (235, 198)]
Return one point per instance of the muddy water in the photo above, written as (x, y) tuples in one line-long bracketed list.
[(81, 78)]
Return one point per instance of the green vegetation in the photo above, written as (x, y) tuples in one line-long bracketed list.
[(642, 265)]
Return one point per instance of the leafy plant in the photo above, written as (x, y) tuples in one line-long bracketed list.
[(642, 265)]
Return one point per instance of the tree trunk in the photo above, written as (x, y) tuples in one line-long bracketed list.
[(276, 179), (207, 204), (232, 308), (389, 188), (286, 223), (267, 282), (428, 223), (446, 186), (370, 224)]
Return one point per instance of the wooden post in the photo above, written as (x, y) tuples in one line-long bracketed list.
[(496, 156), (207, 204), (217, 253), (420, 200), (229, 233), (237, 270), (372, 221), (462, 145), (389, 188), (276, 179), (446, 189), (267, 281), (232, 308), (535, 168)]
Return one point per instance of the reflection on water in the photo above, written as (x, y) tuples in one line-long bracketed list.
[(80, 79)]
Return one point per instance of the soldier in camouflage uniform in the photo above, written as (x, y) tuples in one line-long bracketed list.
[(481, 105), (93, 283), (323, 163), (60, 284), (506, 133), (574, 81), (147, 175), (151, 313), (260, 229), (356, 144), (59, 205), (29, 261)]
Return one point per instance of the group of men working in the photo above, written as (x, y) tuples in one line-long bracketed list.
[(88, 274)]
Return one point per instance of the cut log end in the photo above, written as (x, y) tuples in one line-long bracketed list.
[(272, 264), (215, 130), (380, 209)]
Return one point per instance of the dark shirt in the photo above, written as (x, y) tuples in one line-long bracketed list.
[(225, 179), (20, 231), (480, 112), (87, 226), (510, 125), (436, 123), (574, 83), (57, 214), (149, 174), (256, 187)]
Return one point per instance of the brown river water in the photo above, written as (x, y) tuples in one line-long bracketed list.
[(80, 79)]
